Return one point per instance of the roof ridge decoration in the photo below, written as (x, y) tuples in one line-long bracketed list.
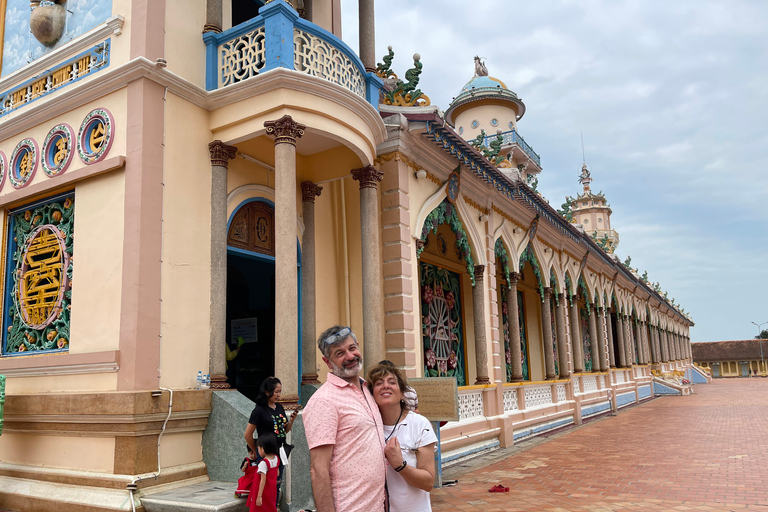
[(402, 94)]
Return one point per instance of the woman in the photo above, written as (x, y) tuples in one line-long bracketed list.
[(410, 448), (269, 417)]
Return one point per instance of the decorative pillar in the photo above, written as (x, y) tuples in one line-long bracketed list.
[(609, 330), (217, 357), (629, 340), (546, 326), (478, 309), (652, 342), (373, 305), (664, 346), (515, 348), (600, 318), (595, 344), (639, 343), (622, 343), (309, 191), (367, 34), (562, 345), (286, 131), (213, 16), (577, 344)]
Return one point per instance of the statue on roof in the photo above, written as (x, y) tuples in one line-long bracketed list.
[(480, 69), (585, 176), (405, 94)]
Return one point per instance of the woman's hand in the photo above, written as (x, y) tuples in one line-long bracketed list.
[(393, 454)]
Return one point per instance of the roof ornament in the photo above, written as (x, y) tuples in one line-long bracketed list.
[(384, 69), (480, 69), (405, 94)]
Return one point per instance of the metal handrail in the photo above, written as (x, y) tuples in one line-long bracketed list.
[(512, 137)]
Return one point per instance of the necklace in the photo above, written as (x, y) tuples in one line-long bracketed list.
[(394, 427)]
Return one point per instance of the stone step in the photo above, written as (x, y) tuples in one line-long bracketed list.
[(208, 496)]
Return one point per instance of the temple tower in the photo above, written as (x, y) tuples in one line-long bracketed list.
[(594, 213)]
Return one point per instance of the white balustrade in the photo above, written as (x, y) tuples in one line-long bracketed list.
[(619, 377), (590, 383), (316, 57), (510, 400), (538, 396), (242, 57), (470, 404), (561, 396)]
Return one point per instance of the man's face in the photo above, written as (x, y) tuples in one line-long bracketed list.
[(345, 360)]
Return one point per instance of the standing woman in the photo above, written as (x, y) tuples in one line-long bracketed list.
[(269, 417), (410, 448)]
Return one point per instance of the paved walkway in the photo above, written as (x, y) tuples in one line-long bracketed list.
[(708, 451)]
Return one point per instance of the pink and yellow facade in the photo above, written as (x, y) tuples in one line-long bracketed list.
[(206, 186)]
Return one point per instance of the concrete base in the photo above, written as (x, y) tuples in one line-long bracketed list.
[(299, 479), (224, 447), (206, 496)]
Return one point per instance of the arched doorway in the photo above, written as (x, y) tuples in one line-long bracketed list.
[(251, 295)]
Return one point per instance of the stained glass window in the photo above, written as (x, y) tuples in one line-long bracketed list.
[(38, 286)]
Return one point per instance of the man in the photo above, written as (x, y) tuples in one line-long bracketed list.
[(344, 432)]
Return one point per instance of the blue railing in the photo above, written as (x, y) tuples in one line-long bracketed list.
[(512, 137), (278, 38)]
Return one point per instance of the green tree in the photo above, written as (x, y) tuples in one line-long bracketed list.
[(763, 335)]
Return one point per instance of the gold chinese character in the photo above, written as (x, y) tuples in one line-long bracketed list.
[(97, 137), (41, 280), (62, 151), (25, 165)]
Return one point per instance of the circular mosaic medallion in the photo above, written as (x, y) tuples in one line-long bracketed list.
[(494, 122), (23, 163), (96, 135), (57, 150), (475, 124), (461, 130), (3, 169)]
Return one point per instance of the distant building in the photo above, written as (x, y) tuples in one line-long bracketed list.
[(731, 358)]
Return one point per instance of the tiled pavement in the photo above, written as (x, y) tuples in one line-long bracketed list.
[(707, 451)]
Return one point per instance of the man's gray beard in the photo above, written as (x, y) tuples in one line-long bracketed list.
[(347, 373)]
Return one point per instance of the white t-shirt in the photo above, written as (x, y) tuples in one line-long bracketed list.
[(413, 432), (263, 467)]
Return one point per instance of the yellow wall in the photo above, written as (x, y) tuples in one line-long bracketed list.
[(483, 114), (184, 48), (182, 448), (90, 453)]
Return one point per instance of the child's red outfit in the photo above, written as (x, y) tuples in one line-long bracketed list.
[(269, 467), (244, 483)]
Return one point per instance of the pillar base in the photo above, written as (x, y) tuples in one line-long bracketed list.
[(310, 378), (289, 402), (517, 380), (551, 378), (219, 382), (482, 382)]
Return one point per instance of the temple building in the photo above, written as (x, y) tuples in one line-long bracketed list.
[(232, 179)]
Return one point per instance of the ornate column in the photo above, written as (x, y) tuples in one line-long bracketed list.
[(609, 330), (622, 342), (367, 34), (213, 16), (373, 305), (546, 329), (562, 345), (286, 131), (309, 191), (594, 343), (478, 310), (600, 318), (630, 340), (515, 349), (217, 356), (664, 346), (652, 342), (639, 343), (577, 344)]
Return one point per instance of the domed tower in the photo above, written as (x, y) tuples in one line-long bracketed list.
[(594, 213), (485, 104)]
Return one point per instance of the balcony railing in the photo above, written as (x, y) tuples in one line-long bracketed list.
[(512, 137), (278, 38)]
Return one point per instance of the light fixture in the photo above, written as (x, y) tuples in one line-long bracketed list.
[(483, 218), (421, 174)]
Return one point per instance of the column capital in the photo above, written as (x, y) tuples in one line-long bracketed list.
[(479, 271), (420, 244), (309, 191), (368, 176), (285, 130), (221, 153), (547, 292), (514, 277)]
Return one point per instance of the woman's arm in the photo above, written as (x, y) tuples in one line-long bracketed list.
[(291, 419), (423, 475), (249, 430)]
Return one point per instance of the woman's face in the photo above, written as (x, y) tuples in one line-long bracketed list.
[(276, 394), (386, 391)]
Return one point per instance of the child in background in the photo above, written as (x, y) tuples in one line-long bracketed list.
[(245, 482), (263, 497)]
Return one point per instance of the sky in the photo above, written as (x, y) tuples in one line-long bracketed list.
[(672, 101)]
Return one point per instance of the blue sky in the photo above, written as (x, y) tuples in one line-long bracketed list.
[(84, 15), (672, 99)]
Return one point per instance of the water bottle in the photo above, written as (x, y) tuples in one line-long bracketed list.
[(199, 382), (207, 382)]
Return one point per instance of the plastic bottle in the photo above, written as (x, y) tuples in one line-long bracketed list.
[(199, 382), (207, 382)]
